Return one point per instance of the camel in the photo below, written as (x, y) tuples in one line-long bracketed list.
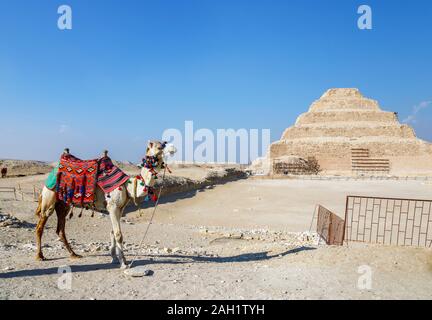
[(114, 203)]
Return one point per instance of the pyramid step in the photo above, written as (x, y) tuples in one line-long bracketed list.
[(401, 131), (352, 115)]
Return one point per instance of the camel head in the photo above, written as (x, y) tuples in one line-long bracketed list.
[(155, 149), (160, 149), (156, 154)]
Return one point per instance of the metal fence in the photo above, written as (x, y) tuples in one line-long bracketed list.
[(330, 226), (19, 194), (9, 190), (390, 221)]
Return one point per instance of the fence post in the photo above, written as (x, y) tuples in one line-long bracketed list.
[(345, 221), (20, 191), (313, 217)]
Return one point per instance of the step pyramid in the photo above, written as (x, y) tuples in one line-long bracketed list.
[(349, 134)]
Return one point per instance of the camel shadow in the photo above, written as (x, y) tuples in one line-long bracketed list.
[(170, 198), (167, 198), (171, 259), (188, 191), (246, 257)]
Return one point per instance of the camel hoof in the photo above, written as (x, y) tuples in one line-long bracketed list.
[(40, 257), (75, 256), (124, 266)]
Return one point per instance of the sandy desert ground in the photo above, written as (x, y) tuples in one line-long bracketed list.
[(247, 239)]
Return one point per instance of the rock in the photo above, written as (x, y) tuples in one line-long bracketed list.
[(167, 250), (29, 246), (139, 271), (8, 269), (175, 250), (8, 247), (8, 221)]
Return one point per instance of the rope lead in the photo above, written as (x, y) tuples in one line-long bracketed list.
[(151, 219)]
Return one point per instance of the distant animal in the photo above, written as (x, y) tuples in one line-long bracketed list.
[(3, 172), (135, 189)]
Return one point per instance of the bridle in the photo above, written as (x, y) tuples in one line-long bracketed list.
[(151, 163)]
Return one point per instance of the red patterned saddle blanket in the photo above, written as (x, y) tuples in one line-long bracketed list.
[(77, 179), (110, 176)]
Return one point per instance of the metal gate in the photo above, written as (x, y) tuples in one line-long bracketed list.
[(390, 221), (330, 227)]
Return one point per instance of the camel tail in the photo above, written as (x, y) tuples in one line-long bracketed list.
[(39, 207)]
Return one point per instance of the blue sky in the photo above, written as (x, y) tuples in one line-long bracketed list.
[(128, 70)]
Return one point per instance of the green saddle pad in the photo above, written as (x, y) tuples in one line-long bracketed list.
[(51, 181)]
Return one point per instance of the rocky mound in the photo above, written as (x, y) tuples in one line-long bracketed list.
[(25, 167), (176, 184)]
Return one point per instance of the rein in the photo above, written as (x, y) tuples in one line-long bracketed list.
[(149, 163), (153, 213)]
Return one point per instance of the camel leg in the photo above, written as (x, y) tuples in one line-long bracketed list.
[(114, 260), (45, 209), (115, 215), (62, 212), (39, 231)]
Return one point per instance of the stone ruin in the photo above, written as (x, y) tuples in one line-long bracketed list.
[(344, 133)]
